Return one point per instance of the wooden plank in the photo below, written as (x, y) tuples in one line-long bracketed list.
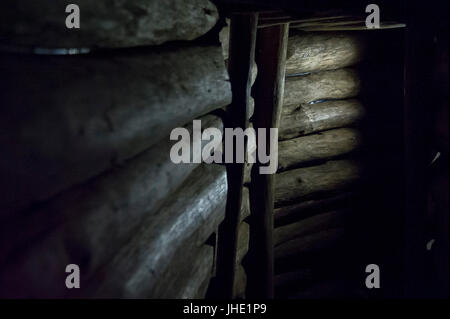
[(352, 27), (241, 61), (292, 20), (269, 89), (64, 120), (120, 199)]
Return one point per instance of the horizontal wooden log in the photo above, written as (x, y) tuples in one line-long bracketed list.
[(290, 214), (319, 51), (192, 283), (120, 198), (315, 147), (312, 118), (240, 283), (187, 218), (335, 84), (309, 226), (302, 183), (59, 130), (42, 23), (108, 210), (315, 242)]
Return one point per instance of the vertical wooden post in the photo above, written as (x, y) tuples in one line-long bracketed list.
[(270, 54), (241, 57)]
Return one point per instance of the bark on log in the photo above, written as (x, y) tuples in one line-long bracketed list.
[(301, 183), (66, 119), (315, 242), (308, 226), (320, 146), (335, 84), (105, 23), (289, 214), (319, 51), (110, 218), (188, 217), (120, 199), (311, 118)]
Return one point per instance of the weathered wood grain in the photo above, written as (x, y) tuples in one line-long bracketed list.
[(119, 199), (334, 84), (97, 219), (192, 282), (41, 23), (311, 118), (324, 145), (319, 51), (187, 218), (294, 185), (66, 119), (308, 226)]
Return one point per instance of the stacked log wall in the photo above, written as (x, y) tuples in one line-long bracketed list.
[(318, 166), (86, 176)]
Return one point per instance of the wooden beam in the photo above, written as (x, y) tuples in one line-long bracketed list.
[(269, 89), (241, 57)]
